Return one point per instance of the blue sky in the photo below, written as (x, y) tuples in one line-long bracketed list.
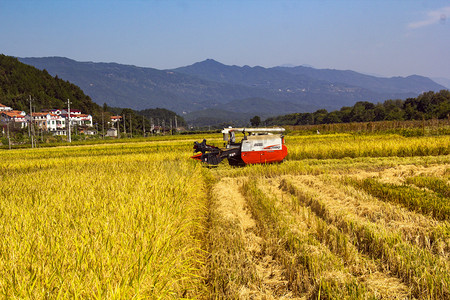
[(388, 38)]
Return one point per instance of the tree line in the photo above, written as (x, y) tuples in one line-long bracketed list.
[(143, 120), (429, 105)]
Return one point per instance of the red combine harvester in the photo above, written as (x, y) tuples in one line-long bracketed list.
[(259, 146)]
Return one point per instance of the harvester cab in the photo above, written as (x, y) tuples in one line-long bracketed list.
[(258, 146)]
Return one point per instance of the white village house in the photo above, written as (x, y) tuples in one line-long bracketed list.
[(54, 120), (77, 118), (49, 122)]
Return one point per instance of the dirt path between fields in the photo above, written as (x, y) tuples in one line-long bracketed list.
[(378, 281), (232, 206)]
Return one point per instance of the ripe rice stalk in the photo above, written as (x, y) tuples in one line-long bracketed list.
[(415, 228), (365, 270), (424, 272), (312, 269), (414, 199), (338, 146), (438, 185), (97, 222)]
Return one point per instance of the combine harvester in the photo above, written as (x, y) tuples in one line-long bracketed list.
[(259, 146)]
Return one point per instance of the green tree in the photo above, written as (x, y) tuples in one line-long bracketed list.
[(333, 117), (394, 110), (255, 121), (319, 116)]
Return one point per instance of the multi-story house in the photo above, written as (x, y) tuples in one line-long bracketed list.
[(15, 116), (77, 118), (49, 122), (39, 119)]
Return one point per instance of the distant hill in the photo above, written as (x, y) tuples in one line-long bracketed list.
[(309, 80), (19, 80), (141, 88), (394, 85), (215, 117), (239, 112), (443, 81), (196, 89)]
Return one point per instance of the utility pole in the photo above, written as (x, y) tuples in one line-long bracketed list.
[(118, 128), (124, 126), (176, 123), (103, 126), (68, 118), (171, 129), (31, 125), (131, 126), (152, 126), (143, 124), (9, 137), (39, 125)]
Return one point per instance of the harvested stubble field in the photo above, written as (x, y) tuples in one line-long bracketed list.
[(346, 216)]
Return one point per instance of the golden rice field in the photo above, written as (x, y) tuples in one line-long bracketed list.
[(346, 216)]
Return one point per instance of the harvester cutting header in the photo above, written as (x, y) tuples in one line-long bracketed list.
[(259, 146)]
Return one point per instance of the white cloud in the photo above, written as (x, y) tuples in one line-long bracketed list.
[(432, 17)]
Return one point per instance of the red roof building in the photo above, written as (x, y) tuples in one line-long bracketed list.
[(115, 119), (5, 108), (15, 116)]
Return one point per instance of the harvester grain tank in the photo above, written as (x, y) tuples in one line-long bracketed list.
[(258, 146)]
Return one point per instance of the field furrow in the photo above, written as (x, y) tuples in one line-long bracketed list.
[(240, 268), (312, 268), (378, 281), (425, 272), (420, 230)]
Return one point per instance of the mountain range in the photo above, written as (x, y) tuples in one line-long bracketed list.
[(210, 92)]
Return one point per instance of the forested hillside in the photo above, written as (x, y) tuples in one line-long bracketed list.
[(159, 115), (426, 106), (19, 81)]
